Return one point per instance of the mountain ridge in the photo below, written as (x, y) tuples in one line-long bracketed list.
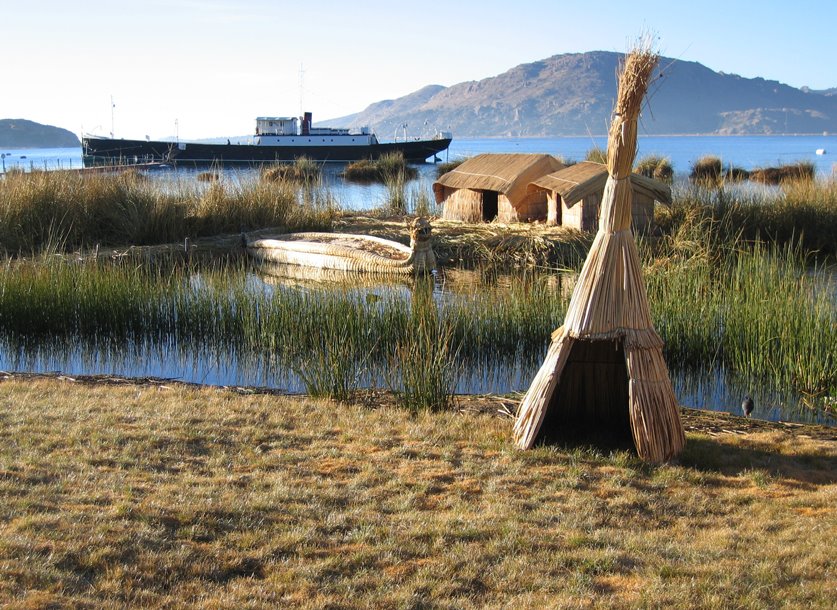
[(572, 94), (22, 133)]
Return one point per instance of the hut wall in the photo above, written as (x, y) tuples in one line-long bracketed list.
[(506, 212), (462, 204), (642, 212), (584, 215), (532, 207), (553, 209)]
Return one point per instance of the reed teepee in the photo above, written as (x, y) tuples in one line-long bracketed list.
[(605, 364)]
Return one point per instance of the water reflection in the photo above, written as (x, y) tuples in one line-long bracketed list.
[(497, 368)]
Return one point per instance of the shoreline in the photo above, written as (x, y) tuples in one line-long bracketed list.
[(699, 421)]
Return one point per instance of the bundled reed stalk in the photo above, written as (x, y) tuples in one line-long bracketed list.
[(609, 310)]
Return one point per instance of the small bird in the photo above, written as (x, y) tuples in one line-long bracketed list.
[(747, 406)]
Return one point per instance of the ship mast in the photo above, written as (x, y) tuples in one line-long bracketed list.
[(301, 80)]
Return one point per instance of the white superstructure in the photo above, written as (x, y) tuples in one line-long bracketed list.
[(293, 131)]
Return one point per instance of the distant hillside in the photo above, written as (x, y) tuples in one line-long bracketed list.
[(20, 133), (573, 94)]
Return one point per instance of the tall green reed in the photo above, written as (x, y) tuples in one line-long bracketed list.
[(761, 313), (424, 364)]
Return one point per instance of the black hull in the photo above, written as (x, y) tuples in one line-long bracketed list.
[(106, 151)]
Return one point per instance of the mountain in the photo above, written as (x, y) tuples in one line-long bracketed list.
[(20, 133), (573, 94)]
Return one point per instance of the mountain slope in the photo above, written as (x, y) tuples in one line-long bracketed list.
[(573, 94), (20, 133)]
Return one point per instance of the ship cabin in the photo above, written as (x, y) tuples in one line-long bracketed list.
[(277, 126), (293, 131)]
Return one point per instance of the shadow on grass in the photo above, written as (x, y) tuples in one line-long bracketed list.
[(710, 455)]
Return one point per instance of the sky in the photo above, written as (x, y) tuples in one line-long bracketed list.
[(207, 68)]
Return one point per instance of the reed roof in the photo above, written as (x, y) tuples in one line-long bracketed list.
[(576, 182), (509, 174)]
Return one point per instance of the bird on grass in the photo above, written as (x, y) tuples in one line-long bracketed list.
[(747, 406)]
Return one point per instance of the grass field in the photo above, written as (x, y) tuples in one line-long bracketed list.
[(119, 495)]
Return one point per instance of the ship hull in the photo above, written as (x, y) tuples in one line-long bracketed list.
[(106, 151)]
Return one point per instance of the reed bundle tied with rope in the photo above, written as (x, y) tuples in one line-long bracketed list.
[(609, 302)]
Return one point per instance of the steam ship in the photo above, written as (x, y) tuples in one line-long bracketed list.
[(276, 139)]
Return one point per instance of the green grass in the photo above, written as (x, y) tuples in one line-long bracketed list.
[(171, 496), (760, 314)]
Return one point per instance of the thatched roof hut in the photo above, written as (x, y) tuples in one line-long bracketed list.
[(494, 186), (604, 369), (575, 192)]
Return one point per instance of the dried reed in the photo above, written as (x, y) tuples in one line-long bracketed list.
[(609, 302)]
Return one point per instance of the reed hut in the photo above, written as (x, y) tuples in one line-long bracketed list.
[(575, 192), (494, 187), (604, 369)]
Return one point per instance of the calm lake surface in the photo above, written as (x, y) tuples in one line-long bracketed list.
[(748, 152), (714, 390)]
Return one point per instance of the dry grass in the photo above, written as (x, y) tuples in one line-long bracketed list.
[(472, 244), (114, 496)]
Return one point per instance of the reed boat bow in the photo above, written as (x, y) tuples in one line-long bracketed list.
[(349, 252)]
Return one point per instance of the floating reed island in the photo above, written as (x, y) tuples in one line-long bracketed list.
[(385, 169), (605, 367)]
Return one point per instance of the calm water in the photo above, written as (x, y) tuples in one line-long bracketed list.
[(216, 365), (748, 152)]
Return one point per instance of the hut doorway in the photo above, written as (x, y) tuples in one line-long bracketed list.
[(591, 402), (489, 205)]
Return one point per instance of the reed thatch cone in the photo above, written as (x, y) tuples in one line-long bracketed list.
[(608, 320)]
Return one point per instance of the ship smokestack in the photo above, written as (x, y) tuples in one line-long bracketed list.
[(306, 124)]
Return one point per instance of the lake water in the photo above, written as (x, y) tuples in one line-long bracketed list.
[(214, 364), (748, 152)]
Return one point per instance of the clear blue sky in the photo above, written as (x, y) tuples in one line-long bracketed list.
[(214, 65)]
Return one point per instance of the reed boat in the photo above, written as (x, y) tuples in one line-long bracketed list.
[(348, 252)]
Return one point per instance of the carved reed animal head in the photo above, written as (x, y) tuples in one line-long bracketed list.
[(420, 230)]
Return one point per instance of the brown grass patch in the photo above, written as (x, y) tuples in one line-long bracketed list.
[(120, 495)]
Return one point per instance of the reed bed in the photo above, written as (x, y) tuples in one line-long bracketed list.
[(803, 213), (762, 315), (596, 155), (67, 210), (709, 171), (657, 167), (303, 170), (447, 166), (792, 172), (388, 167)]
